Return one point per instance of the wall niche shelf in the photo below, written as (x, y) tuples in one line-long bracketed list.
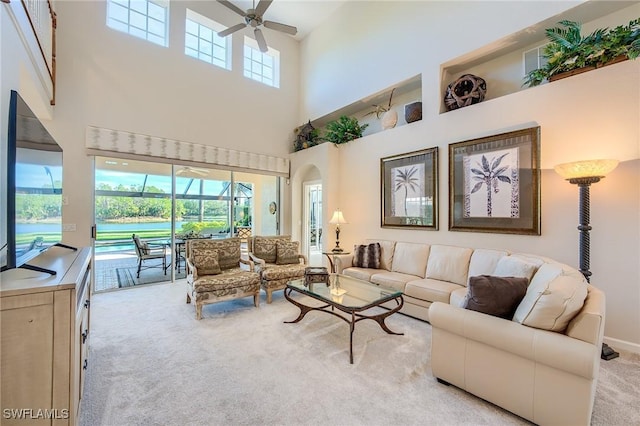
[(500, 63), (406, 92)]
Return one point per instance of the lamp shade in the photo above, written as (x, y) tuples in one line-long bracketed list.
[(586, 169), (337, 218)]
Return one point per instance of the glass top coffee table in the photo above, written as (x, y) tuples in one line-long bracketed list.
[(349, 295)]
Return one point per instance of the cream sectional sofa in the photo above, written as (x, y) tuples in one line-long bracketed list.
[(542, 366)]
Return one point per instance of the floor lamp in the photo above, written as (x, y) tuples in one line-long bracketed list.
[(337, 219), (583, 174)]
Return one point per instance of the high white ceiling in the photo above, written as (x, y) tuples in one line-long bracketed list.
[(303, 14)]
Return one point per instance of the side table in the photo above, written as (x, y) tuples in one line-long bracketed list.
[(332, 259)]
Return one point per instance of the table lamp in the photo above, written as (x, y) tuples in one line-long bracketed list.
[(337, 219)]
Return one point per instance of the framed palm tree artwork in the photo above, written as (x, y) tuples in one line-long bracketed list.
[(410, 190), (494, 183)]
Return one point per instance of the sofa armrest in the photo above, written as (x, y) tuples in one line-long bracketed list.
[(249, 263), (550, 348), (588, 325), (303, 258), (342, 261)]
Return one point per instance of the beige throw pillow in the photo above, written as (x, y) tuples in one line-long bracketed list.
[(287, 252), (265, 247), (553, 298), (206, 261), (511, 266)]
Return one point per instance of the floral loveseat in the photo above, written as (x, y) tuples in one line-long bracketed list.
[(216, 272), (538, 359), (277, 260)]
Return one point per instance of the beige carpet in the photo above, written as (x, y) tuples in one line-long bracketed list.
[(152, 363)]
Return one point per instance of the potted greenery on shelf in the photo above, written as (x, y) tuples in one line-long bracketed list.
[(569, 53), (343, 130)]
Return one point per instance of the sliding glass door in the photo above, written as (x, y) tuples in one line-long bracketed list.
[(164, 205)]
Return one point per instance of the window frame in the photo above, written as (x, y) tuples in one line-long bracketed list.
[(135, 30), (215, 27), (272, 53)]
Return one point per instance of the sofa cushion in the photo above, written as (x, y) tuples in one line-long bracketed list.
[(361, 273), (229, 282), (289, 271), (514, 266), (410, 258), (387, 250), (458, 296), (555, 295), (265, 247), (449, 263), (287, 252), (484, 261), (431, 290), (367, 256), (228, 252), (394, 280), (206, 261), (497, 296)]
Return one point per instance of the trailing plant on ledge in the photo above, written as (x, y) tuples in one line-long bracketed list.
[(379, 110), (343, 130), (568, 50)]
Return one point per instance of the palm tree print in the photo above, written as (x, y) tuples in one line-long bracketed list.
[(490, 175), (407, 179)]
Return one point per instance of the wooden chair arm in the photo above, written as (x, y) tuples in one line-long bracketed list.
[(256, 259), (191, 267), (250, 263)]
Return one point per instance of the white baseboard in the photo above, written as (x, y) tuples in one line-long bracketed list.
[(622, 344)]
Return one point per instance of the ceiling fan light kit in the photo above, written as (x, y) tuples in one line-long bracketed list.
[(254, 18)]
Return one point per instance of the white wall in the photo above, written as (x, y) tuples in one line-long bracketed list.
[(112, 80), (18, 71), (593, 115)]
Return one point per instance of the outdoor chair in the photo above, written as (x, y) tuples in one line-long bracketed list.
[(149, 253)]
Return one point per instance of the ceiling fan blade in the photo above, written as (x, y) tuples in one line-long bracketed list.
[(231, 30), (263, 5), (233, 7), (281, 27), (262, 44)]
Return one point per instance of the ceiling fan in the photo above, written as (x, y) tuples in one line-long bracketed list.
[(253, 18)]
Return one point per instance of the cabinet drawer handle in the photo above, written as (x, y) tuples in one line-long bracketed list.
[(87, 303), (84, 336), (84, 366)]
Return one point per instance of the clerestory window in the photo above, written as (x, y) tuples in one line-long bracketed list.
[(201, 40), (146, 19), (259, 66)]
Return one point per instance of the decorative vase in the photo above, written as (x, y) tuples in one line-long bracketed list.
[(413, 112), (466, 90), (390, 119)]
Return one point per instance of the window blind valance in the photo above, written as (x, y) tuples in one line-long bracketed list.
[(101, 141)]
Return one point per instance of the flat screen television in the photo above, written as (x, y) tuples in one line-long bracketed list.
[(33, 188)]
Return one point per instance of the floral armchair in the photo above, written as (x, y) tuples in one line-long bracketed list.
[(216, 272), (278, 261)]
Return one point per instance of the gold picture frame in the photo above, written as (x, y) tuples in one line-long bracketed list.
[(409, 190), (494, 183)]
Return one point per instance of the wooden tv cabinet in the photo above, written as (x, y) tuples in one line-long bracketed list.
[(44, 331)]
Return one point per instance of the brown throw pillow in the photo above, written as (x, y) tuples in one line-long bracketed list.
[(206, 261), (367, 256), (497, 296), (287, 252)]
